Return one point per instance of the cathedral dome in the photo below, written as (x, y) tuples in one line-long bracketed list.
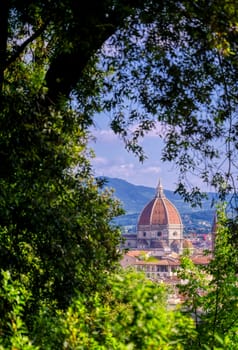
[(159, 211)]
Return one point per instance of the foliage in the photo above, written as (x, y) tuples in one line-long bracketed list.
[(60, 62), (176, 69), (172, 62), (54, 222), (211, 292), (134, 317), (13, 331), (130, 314), (56, 235)]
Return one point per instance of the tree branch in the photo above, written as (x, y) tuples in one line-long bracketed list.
[(22, 47), (93, 29)]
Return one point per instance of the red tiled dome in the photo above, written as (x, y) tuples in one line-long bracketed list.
[(159, 211)]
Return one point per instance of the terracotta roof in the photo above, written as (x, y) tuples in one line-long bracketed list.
[(201, 259)]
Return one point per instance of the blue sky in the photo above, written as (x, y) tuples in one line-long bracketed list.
[(113, 160)]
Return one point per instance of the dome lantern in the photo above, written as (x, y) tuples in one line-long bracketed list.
[(160, 191)]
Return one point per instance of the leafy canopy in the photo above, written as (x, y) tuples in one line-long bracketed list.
[(168, 62), (62, 62), (211, 292), (130, 314)]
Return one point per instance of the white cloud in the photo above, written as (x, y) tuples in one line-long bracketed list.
[(100, 161), (127, 166), (134, 172), (151, 170), (158, 131), (113, 160), (105, 135)]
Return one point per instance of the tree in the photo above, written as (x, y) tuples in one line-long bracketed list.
[(174, 61), (55, 224), (178, 64), (130, 314), (211, 292), (60, 62), (135, 316)]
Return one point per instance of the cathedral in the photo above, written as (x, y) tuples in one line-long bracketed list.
[(156, 246), (159, 227)]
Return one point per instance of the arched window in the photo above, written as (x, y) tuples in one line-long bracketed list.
[(159, 234), (144, 234)]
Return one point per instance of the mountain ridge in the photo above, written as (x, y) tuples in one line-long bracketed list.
[(135, 197)]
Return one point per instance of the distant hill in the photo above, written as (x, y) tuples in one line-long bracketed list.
[(134, 198)]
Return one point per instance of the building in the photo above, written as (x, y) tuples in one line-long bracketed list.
[(159, 227), (158, 244), (159, 268)]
